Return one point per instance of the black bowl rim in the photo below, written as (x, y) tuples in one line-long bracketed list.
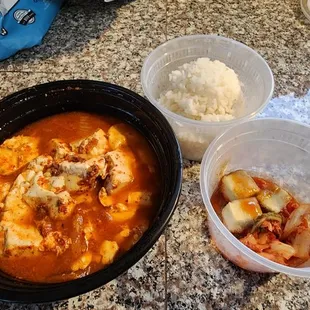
[(69, 289)]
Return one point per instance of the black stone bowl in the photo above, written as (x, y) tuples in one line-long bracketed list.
[(32, 104)]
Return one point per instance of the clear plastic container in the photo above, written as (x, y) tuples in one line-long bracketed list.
[(305, 7), (254, 73), (273, 148)]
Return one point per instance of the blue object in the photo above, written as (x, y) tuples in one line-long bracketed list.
[(26, 24)]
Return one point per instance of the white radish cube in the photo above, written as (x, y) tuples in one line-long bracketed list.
[(240, 214), (274, 201), (238, 185)]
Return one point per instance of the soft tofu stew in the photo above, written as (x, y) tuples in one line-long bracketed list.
[(77, 190), (264, 217)]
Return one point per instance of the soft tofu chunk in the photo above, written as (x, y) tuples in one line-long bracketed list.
[(73, 183), (4, 190), (60, 205), (119, 171), (54, 184), (82, 262), (16, 152), (79, 169), (118, 212), (63, 207), (108, 250), (74, 174), (20, 239), (80, 176), (116, 138), (57, 183), (240, 214), (122, 235), (91, 168), (122, 213), (238, 185), (94, 145), (60, 149), (15, 209), (274, 201), (20, 143), (98, 165), (40, 163), (55, 242), (25, 177), (8, 161), (143, 199)]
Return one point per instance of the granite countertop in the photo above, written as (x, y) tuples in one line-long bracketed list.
[(93, 40)]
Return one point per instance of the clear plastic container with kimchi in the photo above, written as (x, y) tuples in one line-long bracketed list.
[(255, 182)]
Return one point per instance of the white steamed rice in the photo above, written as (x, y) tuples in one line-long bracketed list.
[(203, 90)]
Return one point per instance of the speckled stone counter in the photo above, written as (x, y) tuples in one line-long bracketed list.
[(93, 40)]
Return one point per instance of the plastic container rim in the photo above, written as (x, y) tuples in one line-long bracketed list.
[(305, 9), (300, 272), (199, 123)]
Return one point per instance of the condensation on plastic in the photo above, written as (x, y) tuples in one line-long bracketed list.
[(273, 148), (254, 73)]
